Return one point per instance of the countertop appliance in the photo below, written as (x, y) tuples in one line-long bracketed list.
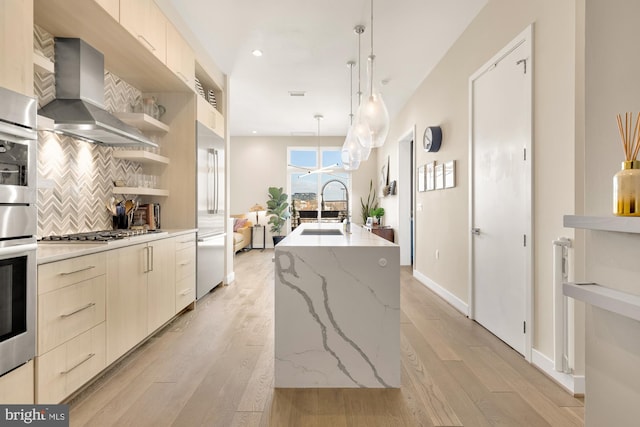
[(211, 214), (18, 216)]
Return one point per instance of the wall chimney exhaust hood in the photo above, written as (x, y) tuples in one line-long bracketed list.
[(78, 109)]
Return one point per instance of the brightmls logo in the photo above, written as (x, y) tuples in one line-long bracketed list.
[(34, 415)]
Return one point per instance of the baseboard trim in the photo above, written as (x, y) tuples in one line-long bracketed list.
[(443, 293), (230, 278), (574, 384)]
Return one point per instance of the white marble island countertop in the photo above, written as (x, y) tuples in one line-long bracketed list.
[(358, 237), (337, 310)]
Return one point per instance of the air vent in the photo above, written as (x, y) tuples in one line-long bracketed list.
[(297, 93)]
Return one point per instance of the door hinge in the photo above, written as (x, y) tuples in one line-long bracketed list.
[(525, 154), (524, 327), (524, 240), (523, 61)]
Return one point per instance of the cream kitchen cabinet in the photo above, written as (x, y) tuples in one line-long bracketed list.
[(16, 46), (140, 293), (16, 387), (147, 23), (180, 57), (210, 117), (185, 284), (161, 297), (71, 325), (111, 6)]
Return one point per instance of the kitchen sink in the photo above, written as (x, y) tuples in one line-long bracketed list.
[(321, 232)]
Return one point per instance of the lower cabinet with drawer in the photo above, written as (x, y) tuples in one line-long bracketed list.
[(71, 325), (185, 285)]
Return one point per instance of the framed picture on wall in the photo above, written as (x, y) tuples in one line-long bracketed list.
[(421, 178), (431, 176), (440, 176), (450, 174)]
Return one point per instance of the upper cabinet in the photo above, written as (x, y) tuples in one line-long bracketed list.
[(180, 57), (111, 6), (16, 46), (145, 20)]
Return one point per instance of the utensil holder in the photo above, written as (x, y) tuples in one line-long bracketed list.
[(626, 189)]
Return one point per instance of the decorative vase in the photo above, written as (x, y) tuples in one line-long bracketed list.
[(626, 189)]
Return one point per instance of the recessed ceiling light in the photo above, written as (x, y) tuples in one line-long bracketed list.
[(256, 52), (254, 131)]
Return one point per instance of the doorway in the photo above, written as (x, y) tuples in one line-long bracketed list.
[(501, 194), (406, 188)]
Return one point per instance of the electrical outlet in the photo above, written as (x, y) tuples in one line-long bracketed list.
[(437, 253), (419, 207)]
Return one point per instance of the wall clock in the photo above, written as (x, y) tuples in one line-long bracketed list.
[(432, 139)]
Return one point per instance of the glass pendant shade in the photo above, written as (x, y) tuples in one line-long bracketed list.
[(361, 131), (374, 111), (351, 152)]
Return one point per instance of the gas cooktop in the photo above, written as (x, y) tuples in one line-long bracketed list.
[(104, 236)]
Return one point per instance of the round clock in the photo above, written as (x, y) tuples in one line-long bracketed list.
[(432, 138)]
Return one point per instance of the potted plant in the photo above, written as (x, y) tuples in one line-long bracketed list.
[(378, 213), (278, 209), (370, 204)]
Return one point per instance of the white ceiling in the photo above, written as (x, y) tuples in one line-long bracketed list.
[(306, 47)]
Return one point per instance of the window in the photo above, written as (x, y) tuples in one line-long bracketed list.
[(305, 185)]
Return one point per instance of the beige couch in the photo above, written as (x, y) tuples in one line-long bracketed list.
[(242, 235)]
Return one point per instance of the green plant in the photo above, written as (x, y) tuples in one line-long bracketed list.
[(371, 203), (277, 208), (378, 213)]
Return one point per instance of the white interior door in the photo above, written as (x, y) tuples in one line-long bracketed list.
[(501, 194)]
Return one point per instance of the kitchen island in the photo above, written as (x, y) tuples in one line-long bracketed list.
[(337, 309)]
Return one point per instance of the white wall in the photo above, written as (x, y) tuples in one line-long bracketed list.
[(258, 163), (442, 99)]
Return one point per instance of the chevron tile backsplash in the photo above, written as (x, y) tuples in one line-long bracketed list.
[(80, 174)]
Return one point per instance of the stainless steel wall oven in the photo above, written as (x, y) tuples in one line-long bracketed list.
[(18, 228)]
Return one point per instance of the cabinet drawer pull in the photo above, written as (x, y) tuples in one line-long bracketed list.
[(185, 263), (86, 359), (187, 241), (77, 271), (185, 291), (78, 310), (149, 45)]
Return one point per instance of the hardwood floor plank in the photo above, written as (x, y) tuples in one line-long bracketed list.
[(534, 397), (260, 385), (246, 419)]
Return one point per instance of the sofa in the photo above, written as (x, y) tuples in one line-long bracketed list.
[(241, 232)]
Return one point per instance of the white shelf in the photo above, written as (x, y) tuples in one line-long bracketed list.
[(620, 224), (618, 302), (141, 191), (140, 156), (41, 63), (142, 121)]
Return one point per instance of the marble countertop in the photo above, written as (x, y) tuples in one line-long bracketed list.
[(359, 237), (51, 252)]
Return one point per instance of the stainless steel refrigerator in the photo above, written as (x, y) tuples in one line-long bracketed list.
[(211, 214)]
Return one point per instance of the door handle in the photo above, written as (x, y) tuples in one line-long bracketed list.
[(475, 231)]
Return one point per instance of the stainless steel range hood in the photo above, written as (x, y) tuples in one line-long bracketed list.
[(78, 109)]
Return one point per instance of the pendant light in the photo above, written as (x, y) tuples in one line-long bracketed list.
[(360, 128), (373, 111), (351, 153), (324, 169)]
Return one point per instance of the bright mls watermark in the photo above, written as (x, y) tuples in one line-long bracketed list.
[(34, 415)]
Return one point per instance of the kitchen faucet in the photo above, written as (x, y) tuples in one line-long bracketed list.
[(348, 220)]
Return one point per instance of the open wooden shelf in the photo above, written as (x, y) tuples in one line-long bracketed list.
[(143, 122), (141, 191), (42, 64), (140, 156)]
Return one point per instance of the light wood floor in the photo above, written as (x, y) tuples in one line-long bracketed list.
[(214, 367)]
